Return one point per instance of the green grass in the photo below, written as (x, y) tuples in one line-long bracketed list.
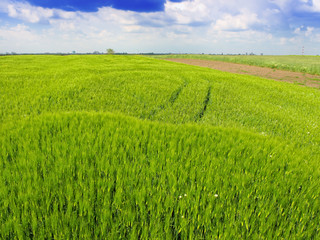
[(110, 147), (305, 64)]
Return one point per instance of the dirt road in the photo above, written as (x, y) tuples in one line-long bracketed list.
[(279, 75)]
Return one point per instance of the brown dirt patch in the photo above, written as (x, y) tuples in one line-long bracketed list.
[(269, 73)]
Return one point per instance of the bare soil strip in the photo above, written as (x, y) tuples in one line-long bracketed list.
[(269, 73)]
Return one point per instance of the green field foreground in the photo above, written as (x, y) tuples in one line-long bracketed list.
[(128, 147), (304, 64)]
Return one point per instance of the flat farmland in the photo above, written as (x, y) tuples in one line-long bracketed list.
[(130, 147), (303, 79), (295, 63)]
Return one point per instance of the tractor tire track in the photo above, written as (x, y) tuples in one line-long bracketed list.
[(174, 96), (200, 115)]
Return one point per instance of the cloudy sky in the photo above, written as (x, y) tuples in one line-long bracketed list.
[(179, 26)]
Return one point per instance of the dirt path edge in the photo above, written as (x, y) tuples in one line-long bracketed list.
[(303, 79)]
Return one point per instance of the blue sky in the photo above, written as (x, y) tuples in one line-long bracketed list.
[(179, 26), (94, 5)]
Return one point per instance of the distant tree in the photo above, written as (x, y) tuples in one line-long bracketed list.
[(110, 51)]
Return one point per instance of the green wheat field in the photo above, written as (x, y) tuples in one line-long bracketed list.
[(130, 147)]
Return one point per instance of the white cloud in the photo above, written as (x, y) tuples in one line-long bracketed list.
[(304, 31), (297, 30), (316, 5), (192, 25), (193, 12), (29, 13), (133, 28), (298, 5), (188, 12), (20, 31), (282, 4), (64, 25), (242, 21), (64, 14), (309, 31)]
